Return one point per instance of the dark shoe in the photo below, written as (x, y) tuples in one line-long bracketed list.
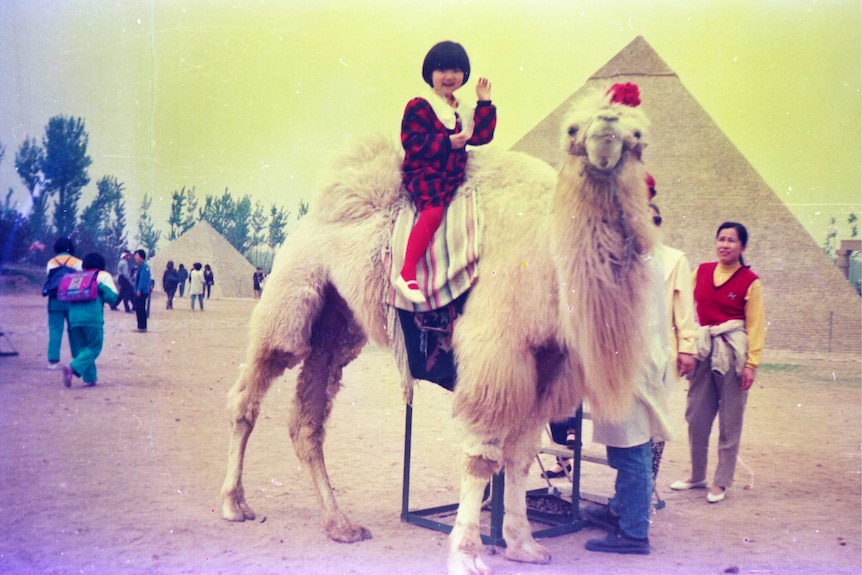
[(571, 439), (602, 517), (67, 376), (618, 542), (550, 474)]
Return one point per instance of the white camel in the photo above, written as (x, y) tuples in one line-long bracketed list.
[(556, 316)]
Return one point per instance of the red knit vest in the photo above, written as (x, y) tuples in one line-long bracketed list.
[(717, 304)]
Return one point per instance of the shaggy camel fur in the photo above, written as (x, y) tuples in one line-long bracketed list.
[(555, 317)]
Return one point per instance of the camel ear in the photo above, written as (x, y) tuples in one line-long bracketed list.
[(572, 144), (638, 149), (635, 142)]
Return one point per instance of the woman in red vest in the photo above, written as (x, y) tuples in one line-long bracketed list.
[(728, 301)]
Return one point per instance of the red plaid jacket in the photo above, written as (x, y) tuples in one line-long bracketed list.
[(432, 171)]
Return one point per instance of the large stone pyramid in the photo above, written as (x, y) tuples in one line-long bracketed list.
[(703, 180), (202, 243)]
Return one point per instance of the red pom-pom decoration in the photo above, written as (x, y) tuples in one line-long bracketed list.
[(650, 184), (627, 94), (650, 180)]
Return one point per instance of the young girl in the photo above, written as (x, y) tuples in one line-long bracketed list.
[(87, 324), (434, 132)]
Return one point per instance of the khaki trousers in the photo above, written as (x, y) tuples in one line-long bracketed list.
[(711, 394)]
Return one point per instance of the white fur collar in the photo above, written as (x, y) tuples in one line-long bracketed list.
[(445, 113)]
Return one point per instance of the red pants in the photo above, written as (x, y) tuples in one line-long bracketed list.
[(420, 237)]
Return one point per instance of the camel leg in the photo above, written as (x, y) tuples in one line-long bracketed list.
[(336, 341), (520, 455), (244, 404), (483, 458)]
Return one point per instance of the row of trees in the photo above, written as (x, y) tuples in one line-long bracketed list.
[(55, 172), (253, 230)]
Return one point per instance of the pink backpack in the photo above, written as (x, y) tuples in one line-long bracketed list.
[(79, 286)]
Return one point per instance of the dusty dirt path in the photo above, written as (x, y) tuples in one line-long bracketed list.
[(124, 477)]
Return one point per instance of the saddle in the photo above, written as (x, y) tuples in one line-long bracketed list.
[(451, 263)]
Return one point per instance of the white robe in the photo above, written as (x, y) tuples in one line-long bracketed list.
[(649, 417)]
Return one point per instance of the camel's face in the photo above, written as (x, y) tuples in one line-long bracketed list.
[(604, 135), (604, 143)]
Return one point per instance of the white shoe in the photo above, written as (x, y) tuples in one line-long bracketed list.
[(715, 498), (53, 365), (683, 485), (409, 290)]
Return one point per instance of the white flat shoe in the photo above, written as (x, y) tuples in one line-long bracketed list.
[(715, 498), (409, 290), (683, 485)]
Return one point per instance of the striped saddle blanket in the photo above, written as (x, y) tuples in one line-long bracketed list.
[(451, 263)]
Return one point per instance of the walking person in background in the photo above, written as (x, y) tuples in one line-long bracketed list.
[(58, 311), (196, 285), (142, 289), (183, 276), (209, 281), (728, 302), (124, 283), (257, 281), (170, 281), (87, 324)]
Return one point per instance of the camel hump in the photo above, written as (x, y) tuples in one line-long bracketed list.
[(363, 181)]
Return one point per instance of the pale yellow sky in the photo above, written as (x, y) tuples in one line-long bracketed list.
[(256, 97)]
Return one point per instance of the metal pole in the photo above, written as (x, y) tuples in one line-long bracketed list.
[(405, 486)]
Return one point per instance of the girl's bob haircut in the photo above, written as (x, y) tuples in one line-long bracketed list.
[(446, 56)]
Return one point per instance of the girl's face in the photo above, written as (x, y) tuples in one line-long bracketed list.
[(445, 82), (728, 248)]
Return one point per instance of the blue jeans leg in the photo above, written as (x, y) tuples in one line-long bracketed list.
[(633, 495)]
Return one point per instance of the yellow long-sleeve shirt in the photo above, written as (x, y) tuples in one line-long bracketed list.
[(679, 302)]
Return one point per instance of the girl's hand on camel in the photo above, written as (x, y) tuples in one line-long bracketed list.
[(458, 140), (483, 89)]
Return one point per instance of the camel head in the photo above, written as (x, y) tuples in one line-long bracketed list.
[(604, 132)]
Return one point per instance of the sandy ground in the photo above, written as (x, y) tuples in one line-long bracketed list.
[(125, 477)]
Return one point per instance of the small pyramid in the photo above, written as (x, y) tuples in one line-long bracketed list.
[(202, 243)]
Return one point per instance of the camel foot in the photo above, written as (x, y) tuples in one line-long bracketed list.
[(236, 509), (464, 563), (528, 552), (342, 530)]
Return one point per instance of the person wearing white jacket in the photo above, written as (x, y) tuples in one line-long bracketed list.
[(629, 441)]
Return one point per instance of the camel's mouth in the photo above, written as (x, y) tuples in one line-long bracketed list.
[(604, 144)]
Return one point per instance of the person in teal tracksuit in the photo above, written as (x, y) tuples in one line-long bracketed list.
[(58, 311), (87, 325)]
